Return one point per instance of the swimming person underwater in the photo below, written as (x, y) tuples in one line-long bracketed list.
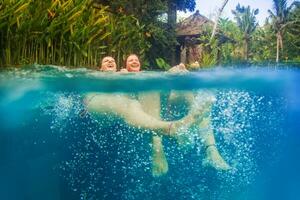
[(204, 127), (142, 112), (130, 109), (151, 104), (145, 111)]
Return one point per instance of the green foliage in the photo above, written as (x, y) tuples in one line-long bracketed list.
[(157, 32), (280, 15), (208, 60), (292, 39), (66, 32), (184, 5), (231, 50), (224, 48), (246, 21), (280, 20), (162, 64), (245, 18), (162, 41), (263, 40), (263, 45), (210, 48), (81, 32)]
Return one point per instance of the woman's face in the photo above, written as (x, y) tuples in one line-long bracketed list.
[(108, 64), (133, 63)]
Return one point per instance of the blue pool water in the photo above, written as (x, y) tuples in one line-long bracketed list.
[(48, 150)]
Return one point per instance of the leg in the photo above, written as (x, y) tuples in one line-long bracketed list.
[(150, 102), (213, 157), (203, 104), (159, 160), (132, 112)]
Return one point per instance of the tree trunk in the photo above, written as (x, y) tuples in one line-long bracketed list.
[(172, 17), (217, 19), (246, 49), (278, 45), (219, 56)]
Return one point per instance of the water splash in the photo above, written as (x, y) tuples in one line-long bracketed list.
[(104, 151), (236, 117)]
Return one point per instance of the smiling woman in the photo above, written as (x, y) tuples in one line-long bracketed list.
[(133, 63), (108, 64)]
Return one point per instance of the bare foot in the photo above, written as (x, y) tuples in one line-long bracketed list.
[(159, 161), (214, 159)]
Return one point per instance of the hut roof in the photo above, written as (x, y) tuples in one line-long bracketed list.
[(193, 25)]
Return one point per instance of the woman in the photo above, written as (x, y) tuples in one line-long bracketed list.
[(108, 64), (129, 109), (204, 128), (132, 64), (150, 102), (145, 113)]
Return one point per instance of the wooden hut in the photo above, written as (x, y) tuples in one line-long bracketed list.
[(188, 32)]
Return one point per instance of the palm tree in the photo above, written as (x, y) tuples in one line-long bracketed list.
[(280, 21), (247, 24)]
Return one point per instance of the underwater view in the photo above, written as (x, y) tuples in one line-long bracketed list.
[(83, 134)]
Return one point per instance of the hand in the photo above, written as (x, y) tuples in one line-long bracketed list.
[(178, 68), (123, 70)]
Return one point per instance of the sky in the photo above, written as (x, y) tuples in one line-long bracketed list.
[(209, 7)]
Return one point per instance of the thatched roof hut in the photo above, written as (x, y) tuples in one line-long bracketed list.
[(188, 33), (194, 25)]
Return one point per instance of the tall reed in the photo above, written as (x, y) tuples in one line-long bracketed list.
[(66, 32)]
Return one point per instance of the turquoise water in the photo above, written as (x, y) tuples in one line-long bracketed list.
[(48, 150)]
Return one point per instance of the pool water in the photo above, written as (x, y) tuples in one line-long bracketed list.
[(50, 150)]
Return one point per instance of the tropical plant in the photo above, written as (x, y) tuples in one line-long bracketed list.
[(160, 34), (231, 51), (246, 21), (280, 20), (210, 48), (263, 47), (292, 49), (162, 64), (66, 32)]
